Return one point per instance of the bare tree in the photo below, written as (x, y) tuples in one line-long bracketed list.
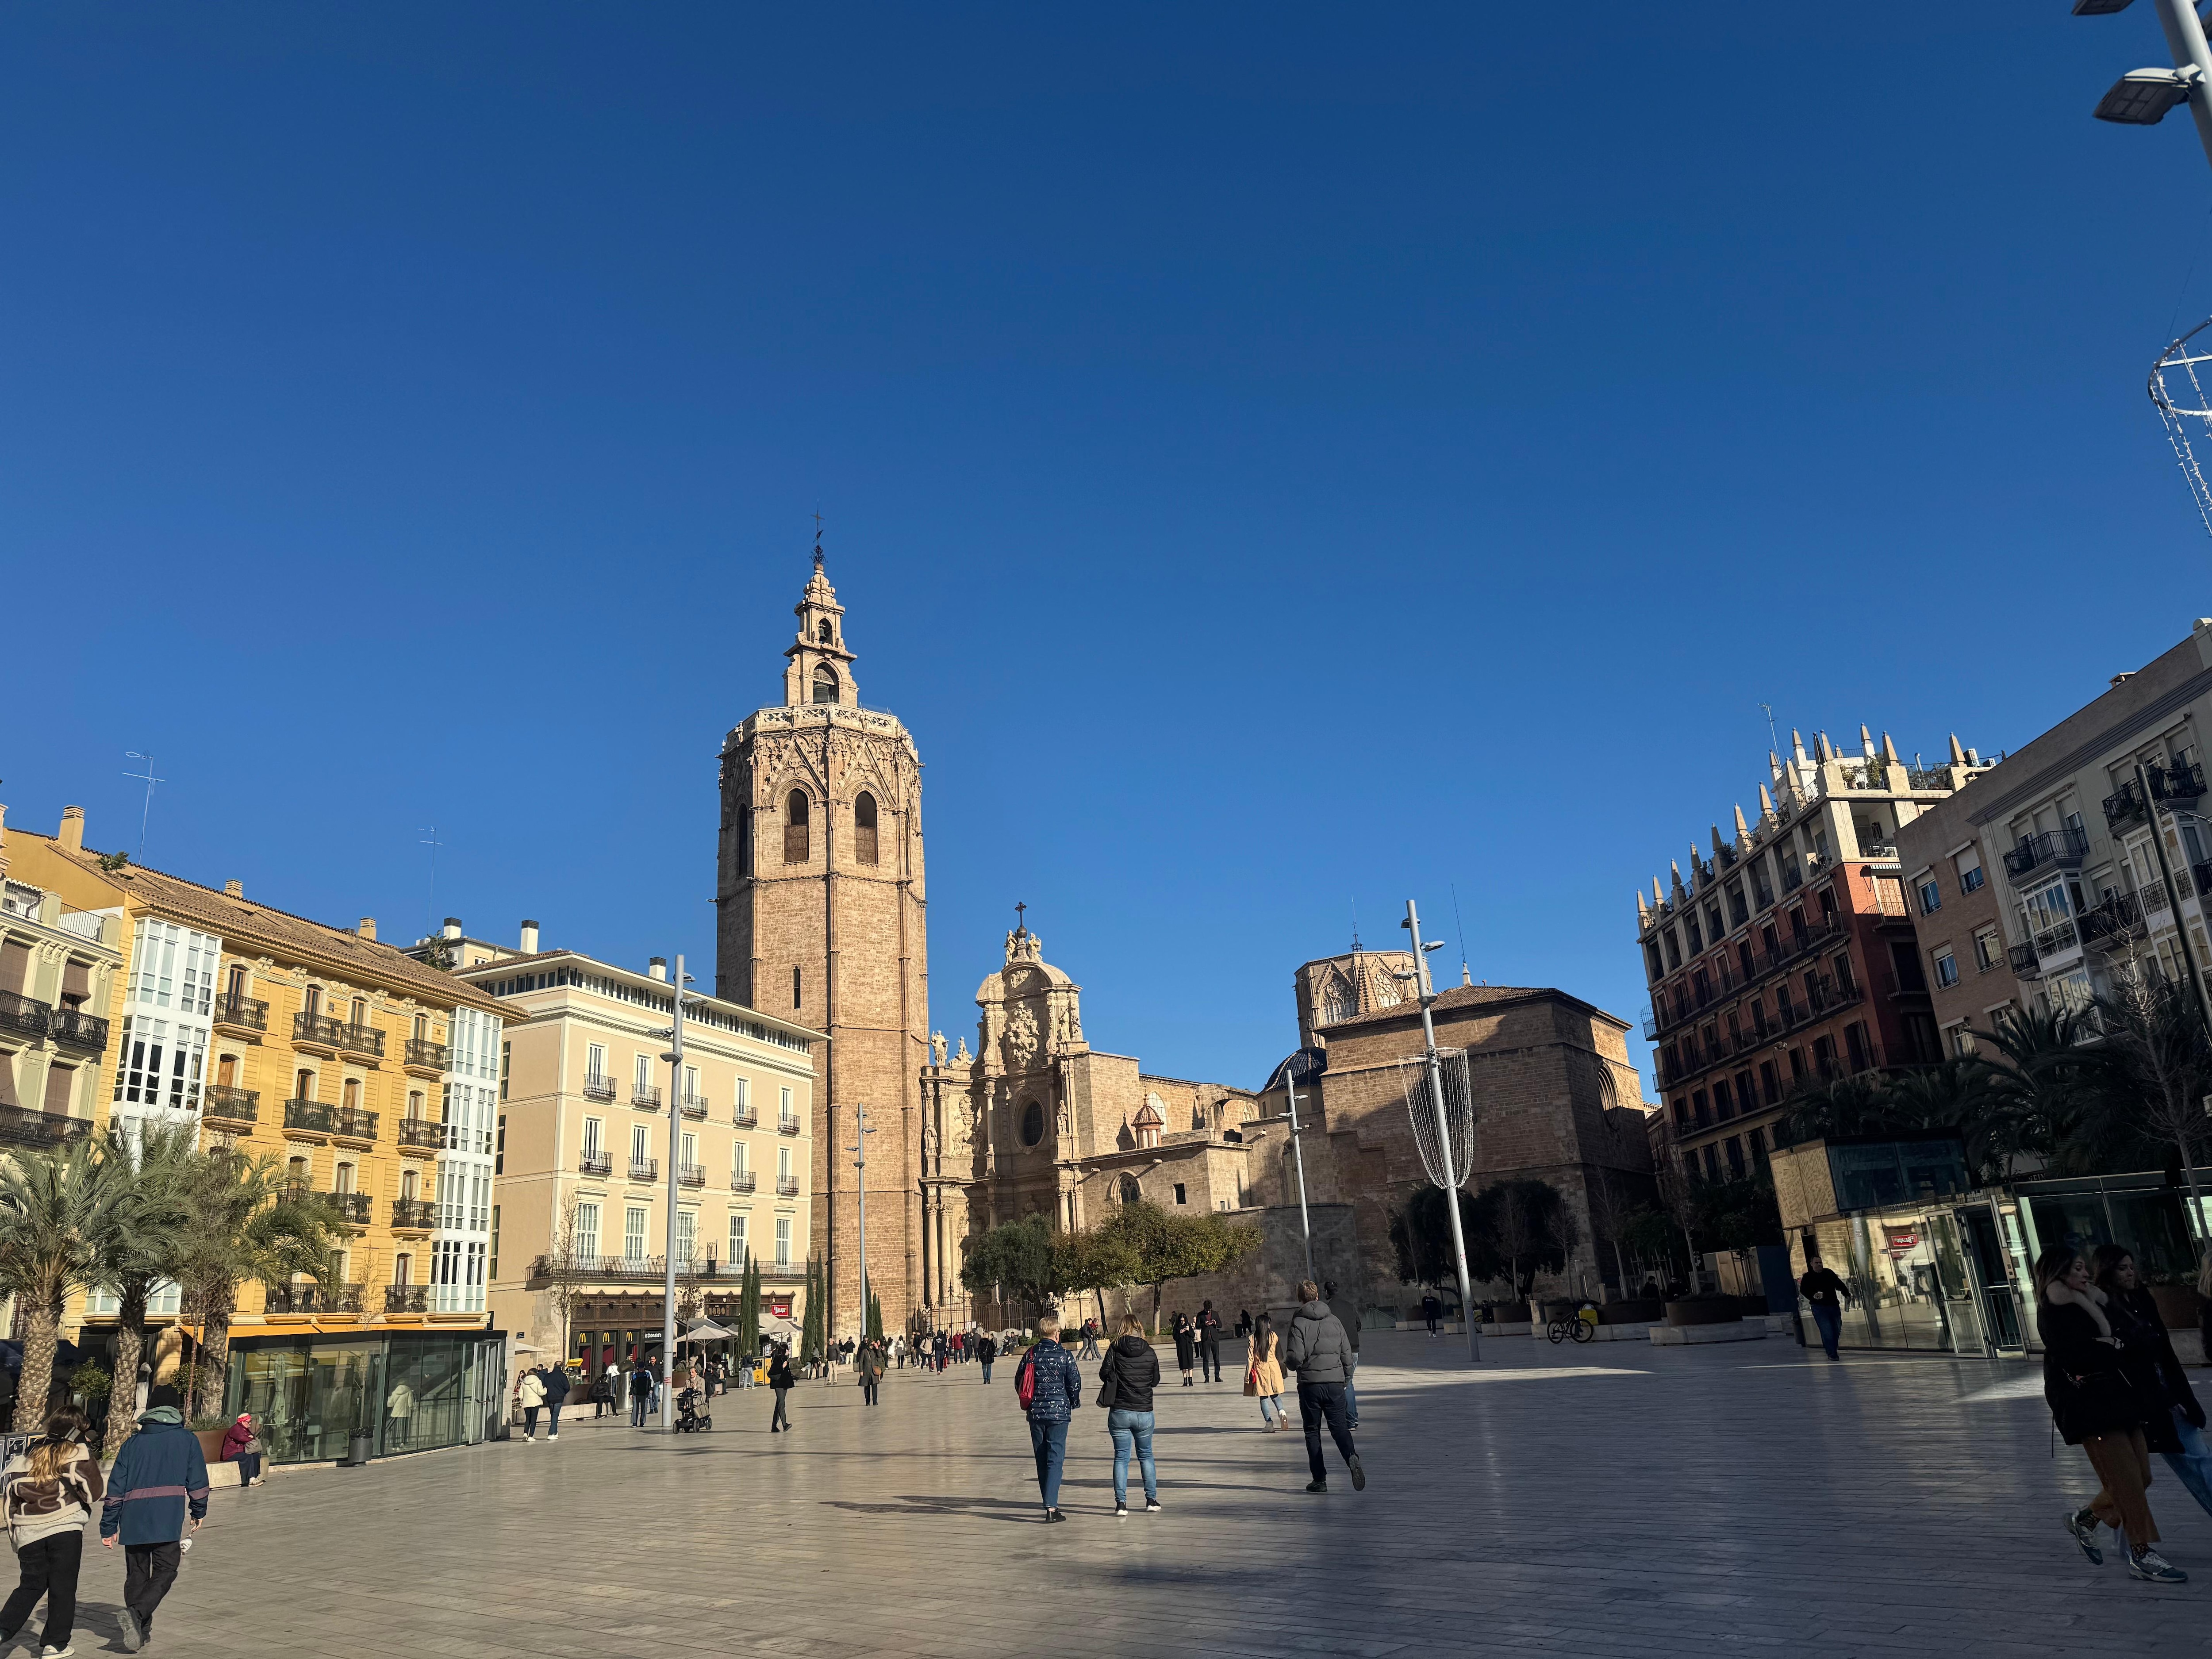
[(1610, 1207), (2159, 1062), (565, 1270), (1679, 1199)]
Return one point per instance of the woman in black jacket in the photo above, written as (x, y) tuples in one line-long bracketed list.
[(1126, 1377), (1186, 1336), (2177, 1434), (780, 1379), (2096, 1406)]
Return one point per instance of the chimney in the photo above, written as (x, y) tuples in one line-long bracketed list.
[(529, 939), (658, 968), (72, 834), (367, 928), (452, 927), (233, 890)]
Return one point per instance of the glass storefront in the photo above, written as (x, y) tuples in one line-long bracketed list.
[(408, 1392)]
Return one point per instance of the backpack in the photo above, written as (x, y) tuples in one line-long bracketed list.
[(1025, 1379)]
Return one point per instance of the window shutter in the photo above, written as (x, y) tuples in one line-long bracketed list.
[(58, 1079)]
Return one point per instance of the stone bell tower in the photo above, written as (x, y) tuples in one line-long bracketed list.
[(821, 918)]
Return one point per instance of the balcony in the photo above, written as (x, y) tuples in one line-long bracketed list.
[(786, 1186), (693, 1106), (22, 1014), (647, 1095), (311, 1116), (742, 1180), (424, 1056), (242, 1017), (346, 1207), (2176, 785), (645, 1169), (2038, 855), (1877, 849), (690, 1175), (652, 1269), (786, 1126), (598, 1088), (406, 1298), (595, 1164), (361, 1040), (419, 1134), (222, 1104), (21, 1126), (312, 1298), (2025, 963), (319, 1031), (413, 1215), (74, 1029), (2123, 807), (2113, 922), (351, 1123), (2202, 871), (747, 1118)]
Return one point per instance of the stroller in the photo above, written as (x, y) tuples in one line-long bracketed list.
[(689, 1419)]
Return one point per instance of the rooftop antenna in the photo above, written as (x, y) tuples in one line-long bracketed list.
[(1465, 977), (429, 832), (147, 778), (1773, 741), (2183, 402)]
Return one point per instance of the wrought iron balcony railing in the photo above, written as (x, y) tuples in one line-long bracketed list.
[(352, 1123), (346, 1207), (595, 1164), (2054, 849), (25, 1014), (786, 1126), (645, 1094), (2123, 806), (244, 1013), (690, 1175), (598, 1088), (420, 1132), (312, 1298), (786, 1186), (430, 1056), (741, 1180), (74, 1028), (320, 1030), (21, 1126), (747, 1118), (361, 1040), (2111, 922), (2026, 965), (2177, 785), (693, 1106), (645, 1169), (414, 1214), (219, 1103), (312, 1116), (406, 1298)]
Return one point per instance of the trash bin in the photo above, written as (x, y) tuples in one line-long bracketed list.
[(357, 1449)]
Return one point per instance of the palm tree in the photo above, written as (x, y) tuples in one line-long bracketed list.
[(243, 1223), (2043, 1087), (135, 1249), (54, 1202)]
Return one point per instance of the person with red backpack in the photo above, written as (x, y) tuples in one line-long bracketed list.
[(1048, 1388)]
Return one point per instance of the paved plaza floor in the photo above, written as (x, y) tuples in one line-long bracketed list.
[(1605, 1500)]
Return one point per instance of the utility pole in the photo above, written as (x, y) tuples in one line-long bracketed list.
[(2142, 98), (1428, 995), (675, 1059), (1298, 1158), (860, 1151)]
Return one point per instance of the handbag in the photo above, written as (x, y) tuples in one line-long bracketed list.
[(1109, 1383)]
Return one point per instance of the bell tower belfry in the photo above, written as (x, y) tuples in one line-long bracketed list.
[(821, 918)]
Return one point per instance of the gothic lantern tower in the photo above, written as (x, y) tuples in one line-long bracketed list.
[(821, 917)]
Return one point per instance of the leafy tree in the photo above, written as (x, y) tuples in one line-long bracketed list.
[(54, 1202), (1013, 1260), (749, 1308), (1155, 1247), (874, 1329), (1526, 1221), (1420, 1235), (136, 1250), (1737, 1213), (811, 1326), (1649, 1232), (243, 1222)]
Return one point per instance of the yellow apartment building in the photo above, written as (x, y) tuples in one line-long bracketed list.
[(373, 1078), (61, 959), (583, 1122)]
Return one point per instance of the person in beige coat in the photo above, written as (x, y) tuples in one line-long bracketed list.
[(1264, 1376)]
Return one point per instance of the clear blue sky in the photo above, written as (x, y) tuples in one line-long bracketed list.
[(1273, 458)]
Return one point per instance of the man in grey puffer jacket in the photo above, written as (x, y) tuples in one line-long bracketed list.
[(1320, 1352)]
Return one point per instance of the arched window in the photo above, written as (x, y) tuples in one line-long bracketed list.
[(822, 635), (1337, 1000), (342, 1182), (863, 828), (795, 850), (1032, 1124), (825, 683), (1131, 1192)]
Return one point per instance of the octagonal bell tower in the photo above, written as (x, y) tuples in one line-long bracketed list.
[(821, 918)]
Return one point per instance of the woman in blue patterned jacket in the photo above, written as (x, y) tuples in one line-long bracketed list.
[(1056, 1390)]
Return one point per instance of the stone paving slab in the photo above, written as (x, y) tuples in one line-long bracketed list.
[(1686, 1502)]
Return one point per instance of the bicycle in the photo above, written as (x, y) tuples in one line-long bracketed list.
[(1581, 1326)]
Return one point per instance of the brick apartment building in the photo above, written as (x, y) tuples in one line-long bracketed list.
[(2027, 886), (1789, 955)]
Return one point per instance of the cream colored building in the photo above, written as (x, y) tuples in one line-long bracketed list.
[(61, 959), (583, 1117)]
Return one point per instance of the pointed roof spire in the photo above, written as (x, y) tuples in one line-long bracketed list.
[(1657, 897), (1866, 741), (1717, 849), (1765, 803), (1797, 743), (1675, 865), (1823, 750), (1889, 749), (1742, 829), (1643, 910), (1958, 755)]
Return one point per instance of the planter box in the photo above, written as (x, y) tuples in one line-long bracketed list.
[(1506, 1330), (1731, 1331), (1640, 1310), (1638, 1332), (211, 1445), (2179, 1305), (1703, 1310)]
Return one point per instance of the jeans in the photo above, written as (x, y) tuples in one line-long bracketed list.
[(987, 1370), (1049, 1441), (1324, 1401), (1270, 1408), (2191, 1465), (49, 1568), (1352, 1395), (553, 1417), (1131, 1429), (1829, 1319), (530, 1422), (637, 1404), (146, 1576)]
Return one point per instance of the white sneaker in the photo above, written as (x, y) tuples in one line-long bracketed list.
[(57, 1653)]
